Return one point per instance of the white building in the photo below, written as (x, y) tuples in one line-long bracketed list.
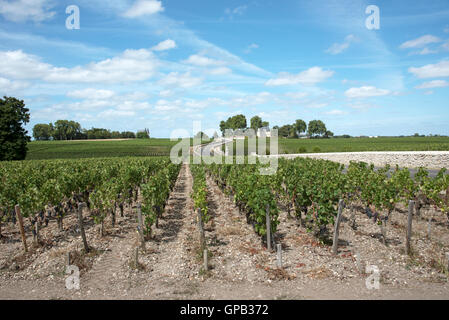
[(264, 132)]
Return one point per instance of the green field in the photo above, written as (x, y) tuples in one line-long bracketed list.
[(363, 144), (98, 149), (161, 147)]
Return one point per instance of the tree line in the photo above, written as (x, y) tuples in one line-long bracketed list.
[(315, 128), (71, 130)]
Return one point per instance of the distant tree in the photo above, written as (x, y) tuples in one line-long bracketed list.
[(287, 131), (145, 134), (128, 135), (98, 133), (42, 131), (201, 135), (265, 124), (13, 136), (223, 127), (115, 135), (256, 123), (316, 128), (66, 130), (236, 122), (300, 126), (328, 134), (276, 127)]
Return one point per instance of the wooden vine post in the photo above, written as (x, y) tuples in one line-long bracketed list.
[(408, 239), (36, 231), (201, 229), (140, 226), (279, 255), (337, 226), (81, 225), (22, 230), (205, 257), (268, 220)]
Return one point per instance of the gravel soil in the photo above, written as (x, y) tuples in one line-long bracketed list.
[(240, 266)]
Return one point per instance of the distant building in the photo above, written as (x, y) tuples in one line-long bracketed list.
[(264, 132)]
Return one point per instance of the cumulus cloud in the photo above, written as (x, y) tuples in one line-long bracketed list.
[(311, 76), (178, 80), (202, 61), (365, 92), (7, 86), (90, 93), (131, 65), (164, 45), (420, 42), (433, 84), (337, 48), (24, 10), (144, 7), (440, 69)]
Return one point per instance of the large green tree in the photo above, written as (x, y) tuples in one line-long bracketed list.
[(66, 130), (237, 122), (42, 131), (300, 126), (287, 131), (13, 136), (316, 128), (256, 123)]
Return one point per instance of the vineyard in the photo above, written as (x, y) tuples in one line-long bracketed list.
[(312, 220)]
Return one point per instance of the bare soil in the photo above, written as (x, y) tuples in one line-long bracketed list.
[(240, 266)]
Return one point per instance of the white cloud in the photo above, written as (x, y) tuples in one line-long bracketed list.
[(337, 48), (164, 45), (420, 42), (426, 51), (131, 65), (7, 86), (433, 84), (202, 61), (89, 105), (240, 10), (365, 92), (251, 47), (309, 77), (144, 7), (112, 113), (441, 69), (23, 10), (166, 93), (177, 80), (445, 45), (90, 93), (296, 95), (335, 112), (220, 71)]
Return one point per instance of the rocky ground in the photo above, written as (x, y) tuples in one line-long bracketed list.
[(240, 267)]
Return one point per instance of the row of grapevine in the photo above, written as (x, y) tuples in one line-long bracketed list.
[(252, 193), (55, 187), (155, 192), (199, 194), (313, 188)]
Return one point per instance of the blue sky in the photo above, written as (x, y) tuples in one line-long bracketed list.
[(164, 64)]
